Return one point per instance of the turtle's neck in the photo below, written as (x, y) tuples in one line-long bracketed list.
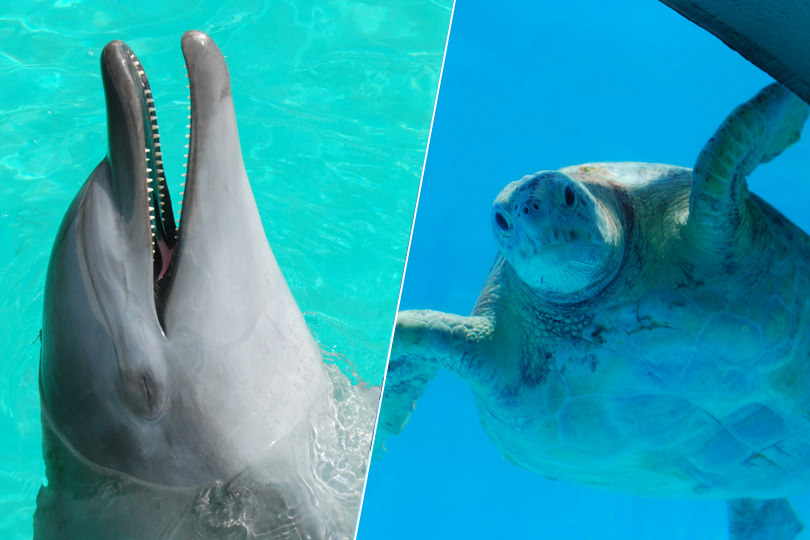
[(505, 291)]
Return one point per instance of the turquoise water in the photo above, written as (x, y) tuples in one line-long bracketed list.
[(541, 86), (333, 101)]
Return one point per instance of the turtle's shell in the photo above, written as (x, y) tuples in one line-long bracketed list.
[(685, 372)]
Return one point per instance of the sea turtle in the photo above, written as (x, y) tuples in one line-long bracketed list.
[(643, 328)]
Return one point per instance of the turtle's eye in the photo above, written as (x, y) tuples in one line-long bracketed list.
[(570, 197), (501, 222)]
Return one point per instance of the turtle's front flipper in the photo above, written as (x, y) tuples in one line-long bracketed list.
[(756, 132), (424, 341), (753, 519)]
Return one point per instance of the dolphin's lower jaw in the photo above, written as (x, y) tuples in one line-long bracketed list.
[(165, 358)]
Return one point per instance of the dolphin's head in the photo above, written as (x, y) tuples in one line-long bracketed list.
[(172, 354)]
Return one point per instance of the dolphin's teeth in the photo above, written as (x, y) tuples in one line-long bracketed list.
[(158, 154), (148, 170), (149, 189)]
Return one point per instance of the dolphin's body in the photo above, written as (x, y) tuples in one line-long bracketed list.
[(182, 393), (771, 34)]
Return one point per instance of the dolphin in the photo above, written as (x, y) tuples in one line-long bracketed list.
[(771, 34), (182, 394)]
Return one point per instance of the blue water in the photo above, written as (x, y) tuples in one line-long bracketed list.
[(542, 85), (333, 101)]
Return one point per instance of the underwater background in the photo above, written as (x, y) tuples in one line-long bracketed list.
[(539, 86), (333, 101)]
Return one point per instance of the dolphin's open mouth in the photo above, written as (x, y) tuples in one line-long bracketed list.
[(136, 157), (161, 216), (167, 260)]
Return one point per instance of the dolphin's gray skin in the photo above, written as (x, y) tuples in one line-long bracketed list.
[(772, 34), (182, 393)]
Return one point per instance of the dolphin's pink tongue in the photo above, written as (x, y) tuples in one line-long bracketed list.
[(165, 257)]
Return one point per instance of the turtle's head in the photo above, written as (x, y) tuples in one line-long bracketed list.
[(560, 239)]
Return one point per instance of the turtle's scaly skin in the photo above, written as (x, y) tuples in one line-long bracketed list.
[(644, 328)]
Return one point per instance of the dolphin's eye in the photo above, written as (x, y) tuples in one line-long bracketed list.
[(144, 392), (501, 221), (570, 197)]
